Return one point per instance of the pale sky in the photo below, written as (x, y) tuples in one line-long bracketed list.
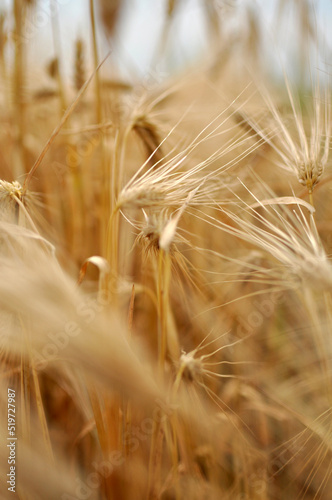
[(141, 24)]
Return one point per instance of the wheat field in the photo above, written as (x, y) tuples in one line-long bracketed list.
[(165, 271)]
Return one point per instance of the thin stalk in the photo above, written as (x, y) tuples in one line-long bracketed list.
[(174, 427), (151, 458), (112, 238), (178, 379), (155, 461), (95, 58), (127, 408), (25, 385), (106, 192), (311, 198), (97, 412), (163, 282), (38, 395), (57, 52), (124, 136), (3, 42), (112, 250), (96, 399), (175, 459), (18, 83), (319, 339), (25, 397), (41, 413)]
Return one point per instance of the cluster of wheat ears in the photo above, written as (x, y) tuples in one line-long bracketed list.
[(165, 280)]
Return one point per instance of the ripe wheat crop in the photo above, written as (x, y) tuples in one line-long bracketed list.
[(165, 259)]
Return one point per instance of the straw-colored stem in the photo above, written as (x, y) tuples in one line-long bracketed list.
[(178, 379), (98, 415), (127, 408), (97, 399), (113, 237), (112, 251), (25, 397), (163, 281), (18, 84), (319, 339), (311, 198), (155, 461), (25, 385), (95, 58), (57, 52), (41, 413), (175, 458), (105, 194)]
